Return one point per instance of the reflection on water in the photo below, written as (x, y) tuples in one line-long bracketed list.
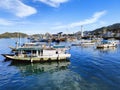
[(36, 68), (110, 49)]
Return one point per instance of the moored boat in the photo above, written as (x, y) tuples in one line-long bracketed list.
[(36, 53), (107, 44), (84, 43)]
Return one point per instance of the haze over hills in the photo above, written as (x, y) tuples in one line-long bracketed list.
[(107, 31)]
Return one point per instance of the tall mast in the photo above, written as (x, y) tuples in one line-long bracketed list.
[(17, 44), (81, 31), (19, 39)]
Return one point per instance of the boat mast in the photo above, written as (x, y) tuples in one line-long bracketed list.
[(17, 44), (18, 40)]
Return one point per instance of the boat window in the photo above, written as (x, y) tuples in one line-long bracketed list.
[(34, 51)]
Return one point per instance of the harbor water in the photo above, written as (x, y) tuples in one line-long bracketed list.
[(89, 69)]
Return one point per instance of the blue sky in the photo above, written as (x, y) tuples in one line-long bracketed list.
[(41, 16)]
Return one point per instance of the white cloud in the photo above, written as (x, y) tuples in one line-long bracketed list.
[(5, 22), (91, 20), (17, 7), (53, 3)]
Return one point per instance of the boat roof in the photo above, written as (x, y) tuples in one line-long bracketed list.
[(58, 46), (29, 48)]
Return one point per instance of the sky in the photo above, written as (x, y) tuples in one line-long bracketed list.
[(53, 16)]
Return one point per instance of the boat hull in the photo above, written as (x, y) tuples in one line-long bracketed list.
[(106, 46), (57, 57)]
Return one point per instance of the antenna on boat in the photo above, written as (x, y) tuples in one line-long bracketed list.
[(18, 40)]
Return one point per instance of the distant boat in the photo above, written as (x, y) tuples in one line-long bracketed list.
[(87, 42), (84, 43), (107, 44)]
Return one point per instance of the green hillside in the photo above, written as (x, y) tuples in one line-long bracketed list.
[(13, 35)]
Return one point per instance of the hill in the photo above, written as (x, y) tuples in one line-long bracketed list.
[(13, 35), (111, 29)]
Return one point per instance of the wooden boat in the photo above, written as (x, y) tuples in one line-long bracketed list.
[(36, 53)]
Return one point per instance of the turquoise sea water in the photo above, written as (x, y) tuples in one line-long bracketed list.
[(89, 69)]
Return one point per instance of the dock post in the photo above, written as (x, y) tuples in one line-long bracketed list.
[(31, 60), (49, 59), (58, 57)]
